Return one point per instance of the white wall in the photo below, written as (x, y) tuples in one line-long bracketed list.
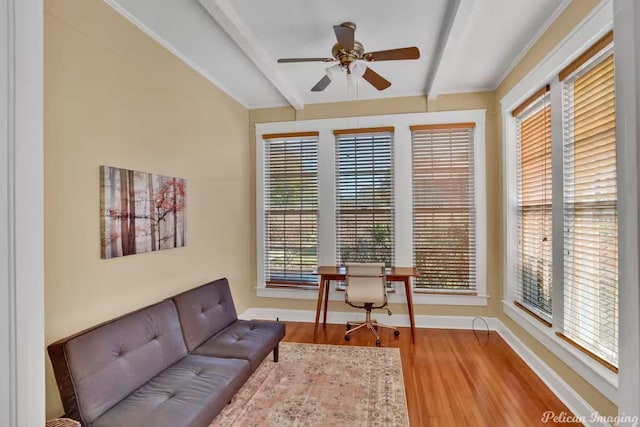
[(21, 214), (6, 385)]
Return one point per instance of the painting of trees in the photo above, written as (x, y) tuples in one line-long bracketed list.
[(140, 212)]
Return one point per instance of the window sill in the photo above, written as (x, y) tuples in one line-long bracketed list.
[(292, 293), (448, 299), (397, 297), (594, 373)]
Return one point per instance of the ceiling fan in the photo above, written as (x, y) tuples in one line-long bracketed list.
[(352, 58)]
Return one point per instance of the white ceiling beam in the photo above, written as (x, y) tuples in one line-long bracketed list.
[(227, 17), (455, 19)]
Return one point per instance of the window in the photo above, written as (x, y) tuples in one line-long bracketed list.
[(291, 208), (561, 146), (533, 145), (364, 195), (352, 201), (444, 244), (590, 202)]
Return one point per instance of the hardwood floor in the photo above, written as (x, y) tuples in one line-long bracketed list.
[(454, 379)]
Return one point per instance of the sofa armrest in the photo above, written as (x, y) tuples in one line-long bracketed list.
[(63, 379)]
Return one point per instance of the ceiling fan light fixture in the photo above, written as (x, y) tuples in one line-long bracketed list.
[(357, 68), (334, 71)]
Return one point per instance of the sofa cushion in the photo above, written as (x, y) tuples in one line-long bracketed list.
[(205, 311), (250, 340), (188, 394), (108, 362)]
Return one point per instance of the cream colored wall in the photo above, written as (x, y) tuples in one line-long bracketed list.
[(564, 24), (397, 106), (115, 97)]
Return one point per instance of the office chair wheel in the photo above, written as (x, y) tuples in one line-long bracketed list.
[(377, 343), (348, 326), (347, 337), (396, 333)]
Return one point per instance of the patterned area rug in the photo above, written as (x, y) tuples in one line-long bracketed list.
[(322, 385)]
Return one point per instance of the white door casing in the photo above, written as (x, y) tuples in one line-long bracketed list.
[(21, 214)]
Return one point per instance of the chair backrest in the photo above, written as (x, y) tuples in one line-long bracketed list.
[(366, 283), (204, 311)]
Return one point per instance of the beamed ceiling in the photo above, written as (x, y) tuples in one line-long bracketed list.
[(465, 45)]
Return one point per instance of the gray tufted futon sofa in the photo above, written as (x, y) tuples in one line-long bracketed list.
[(176, 363)]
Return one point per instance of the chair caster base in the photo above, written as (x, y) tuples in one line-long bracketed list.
[(347, 337), (377, 343)]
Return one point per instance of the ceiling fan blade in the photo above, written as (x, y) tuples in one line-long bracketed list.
[(393, 54), (345, 35), (286, 60), (376, 79), (322, 84)]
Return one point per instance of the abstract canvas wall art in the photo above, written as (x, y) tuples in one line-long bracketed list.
[(140, 212)]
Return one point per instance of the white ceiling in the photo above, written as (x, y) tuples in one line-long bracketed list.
[(465, 45)]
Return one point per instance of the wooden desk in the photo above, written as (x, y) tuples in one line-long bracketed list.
[(394, 274)]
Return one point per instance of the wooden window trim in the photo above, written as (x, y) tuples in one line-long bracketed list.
[(587, 55), (589, 203), (589, 353), (530, 100), (290, 285), (470, 125), (536, 316), (290, 135), (278, 169), (434, 291), (534, 208), (385, 129), (435, 198), (357, 157)]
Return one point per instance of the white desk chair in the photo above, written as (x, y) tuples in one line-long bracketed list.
[(366, 288)]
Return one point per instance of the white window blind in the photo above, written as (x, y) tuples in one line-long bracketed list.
[(590, 204), (364, 195), (444, 244), (534, 216), (291, 208)]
